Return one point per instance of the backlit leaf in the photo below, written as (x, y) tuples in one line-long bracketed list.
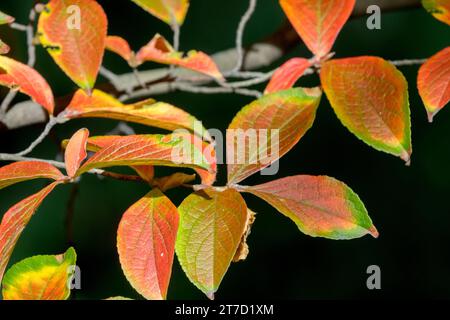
[(287, 74), (74, 34), (433, 82), (266, 129), (146, 244), (163, 150), (174, 180), (15, 220), (440, 9), (27, 170), (370, 97), (25, 79), (121, 47), (4, 48), (318, 22), (159, 50), (166, 9), (211, 227), (40, 278), (76, 151), (320, 206), (5, 19)]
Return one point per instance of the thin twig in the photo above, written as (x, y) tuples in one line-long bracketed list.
[(408, 62)]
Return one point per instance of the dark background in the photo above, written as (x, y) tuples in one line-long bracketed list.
[(409, 205)]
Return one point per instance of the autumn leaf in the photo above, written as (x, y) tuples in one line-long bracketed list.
[(76, 151), (120, 46), (440, 9), (370, 97), (14, 222), (118, 298), (40, 278), (19, 76), (27, 170), (160, 51), (4, 48), (266, 129), (74, 34), (166, 9), (163, 150), (318, 22), (146, 244), (211, 227), (320, 206), (174, 180), (5, 19), (287, 75), (433, 82), (148, 112)]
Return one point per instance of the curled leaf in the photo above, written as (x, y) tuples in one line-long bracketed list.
[(287, 74), (121, 47), (243, 250), (76, 151), (174, 180), (440, 9), (166, 9), (40, 278)]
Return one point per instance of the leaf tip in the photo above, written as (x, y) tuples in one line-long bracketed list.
[(210, 295), (374, 232)]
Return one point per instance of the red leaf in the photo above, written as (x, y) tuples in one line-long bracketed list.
[(287, 74), (120, 46), (27, 170), (17, 75), (15, 220), (433, 82), (146, 244), (159, 50), (76, 151), (318, 22), (4, 48)]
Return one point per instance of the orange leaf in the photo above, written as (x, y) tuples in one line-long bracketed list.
[(74, 34), (27, 170), (146, 244), (287, 74), (433, 82), (76, 151), (174, 180), (4, 48), (165, 9), (159, 50), (440, 9), (318, 22), (266, 129), (370, 97), (15, 220), (19, 76), (120, 46)]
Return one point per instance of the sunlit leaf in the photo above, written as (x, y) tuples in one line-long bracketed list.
[(25, 79), (266, 129), (4, 48), (146, 244), (320, 206), (166, 9), (440, 9), (120, 46), (40, 278), (74, 34), (163, 150), (5, 19), (287, 74), (15, 220), (433, 82), (370, 97), (211, 227), (174, 180), (159, 50), (76, 151), (145, 172), (148, 112), (27, 170)]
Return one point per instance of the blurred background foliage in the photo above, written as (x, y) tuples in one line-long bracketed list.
[(409, 205)]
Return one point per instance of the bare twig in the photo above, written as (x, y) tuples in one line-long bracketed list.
[(408, 62)]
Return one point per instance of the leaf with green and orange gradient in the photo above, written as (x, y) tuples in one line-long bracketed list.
[(440, 9), (27, 170), (266, 129), (76, 151), (433, 82), (318, 22), (370, 97), (4, 48), (14, 222), (160, 51), (120, 46), (40, 278), (161, 150), (19, 76), (287, 75), (320, 206), (146, 244), (74, 34), (166, 9), (148, 112), (211, 227), (5, 18)]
